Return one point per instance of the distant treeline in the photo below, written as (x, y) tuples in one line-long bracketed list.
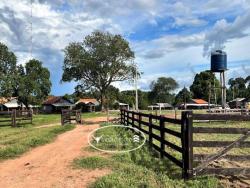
[(164, 90)]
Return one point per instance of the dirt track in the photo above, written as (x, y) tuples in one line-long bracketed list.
[(50, 165)]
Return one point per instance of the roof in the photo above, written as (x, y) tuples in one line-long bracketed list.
[(161, 105), (62, 104), (238, 99), (51, 100), (4, 100), (88, 101), (12, 103), (164, 105), (199, 101), (123, 104)]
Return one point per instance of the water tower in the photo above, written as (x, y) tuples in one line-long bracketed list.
[(219, 65)]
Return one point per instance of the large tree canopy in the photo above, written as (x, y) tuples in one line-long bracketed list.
[(239, 87), (34, 83), (98, 61), (162, 90), (201, 84), (183, 96), (8, 68)]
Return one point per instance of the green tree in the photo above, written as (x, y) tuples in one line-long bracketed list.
[(237, 87), (247, 81), (8, 68), (34, 83), (98, 61), (201, 84), (128, 97), (162, 90), (183, 96)]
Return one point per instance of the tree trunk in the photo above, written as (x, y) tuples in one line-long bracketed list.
[(102, 102)]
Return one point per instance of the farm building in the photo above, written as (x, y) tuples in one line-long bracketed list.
[(238, 103), (87, 105), (161, 106), (11, 103), (8, 104), (55, 104), (196, 104), (123, 106)]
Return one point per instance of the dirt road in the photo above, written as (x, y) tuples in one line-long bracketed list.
[(50, 165)]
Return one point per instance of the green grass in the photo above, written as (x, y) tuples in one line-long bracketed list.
[(43, 119), (98, 114), (16, 141), (140, 168)]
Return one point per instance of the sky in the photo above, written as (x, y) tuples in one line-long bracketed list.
[(170, 38)]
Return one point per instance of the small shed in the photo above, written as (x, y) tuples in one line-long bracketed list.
[(196, 104), (161, 106), (55, 104), (123, 105), (238, 103), (87, 104)]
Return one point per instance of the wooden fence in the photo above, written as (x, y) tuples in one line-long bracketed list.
[(225, 146), (68, 115), (16, 116), (185, 136)]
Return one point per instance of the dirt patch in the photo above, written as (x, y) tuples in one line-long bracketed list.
[(50, 165), (232, 181), (48, 125)]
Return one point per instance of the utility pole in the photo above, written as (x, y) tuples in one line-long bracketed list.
[(31, 29), (136, 90)]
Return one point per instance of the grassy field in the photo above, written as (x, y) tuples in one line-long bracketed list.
[(140, 168), (15, 141), (143, 168)]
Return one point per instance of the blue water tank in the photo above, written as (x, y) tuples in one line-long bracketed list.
[(218, 61)]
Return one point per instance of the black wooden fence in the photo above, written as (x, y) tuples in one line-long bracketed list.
[(186, 163), (16, 116), (68, 115)]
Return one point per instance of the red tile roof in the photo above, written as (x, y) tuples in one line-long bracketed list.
[(87, 100), (199, 101), (51, 100)]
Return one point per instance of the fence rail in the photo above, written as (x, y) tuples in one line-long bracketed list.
[(138, 120), (188, 159), (16, 116)]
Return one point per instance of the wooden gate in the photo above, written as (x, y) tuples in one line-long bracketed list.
[(68, 115), (225, 146), (189, 159)]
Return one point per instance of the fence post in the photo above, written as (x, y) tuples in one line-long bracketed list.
[(121, 116), (31, 116), (81, 121), (139, 117), (150, 138), (162, 136), (127, 118), (133, 118), (62, 118), (187, 144), (13, 117)]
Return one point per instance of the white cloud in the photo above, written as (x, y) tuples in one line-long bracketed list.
[(223, 31), (160, 47), (176, 53)]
